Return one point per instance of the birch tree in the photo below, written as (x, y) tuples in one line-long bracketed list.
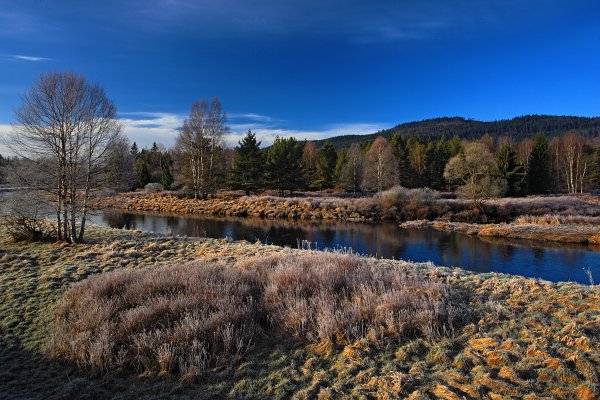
[(200, 146), (67, 128), (380, 172)]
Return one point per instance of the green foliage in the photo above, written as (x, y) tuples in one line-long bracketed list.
[(596, 170), (248, 167), (166, 178), (400, 150), (510, 169), (517, 128), (539, 180), (142, 177), (327, 157), (134, 150), (284, 165), (342, 156)]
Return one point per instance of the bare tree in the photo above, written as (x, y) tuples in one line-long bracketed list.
[(575, 161), (352, 173), (380, 172), (66, 127), (200, 144)]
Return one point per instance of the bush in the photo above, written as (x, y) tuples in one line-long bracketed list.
[(23, 218), (409, 204), (153, 187), (191, 317)]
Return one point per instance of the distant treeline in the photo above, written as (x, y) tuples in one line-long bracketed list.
[(516, 129)]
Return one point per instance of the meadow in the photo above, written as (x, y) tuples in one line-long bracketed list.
[(72, 315)]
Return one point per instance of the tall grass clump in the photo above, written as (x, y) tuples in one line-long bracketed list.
[(187, 318), (329, 297), (182, 319)]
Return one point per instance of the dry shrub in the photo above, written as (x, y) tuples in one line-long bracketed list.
[(182, 318), (408, 204), (200, 315), (341, 298)]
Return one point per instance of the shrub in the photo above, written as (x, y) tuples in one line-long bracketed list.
[(153, 187), (408, 204), (23, 218), (191, 317)]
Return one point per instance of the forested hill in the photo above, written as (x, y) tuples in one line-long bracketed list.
[(517, 128)]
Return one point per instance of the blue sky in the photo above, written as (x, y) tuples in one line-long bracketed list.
[(309, 68)]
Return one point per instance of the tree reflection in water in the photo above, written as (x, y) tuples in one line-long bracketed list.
[(534, 259)]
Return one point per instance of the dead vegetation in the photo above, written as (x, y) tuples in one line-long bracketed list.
[(192, 317)]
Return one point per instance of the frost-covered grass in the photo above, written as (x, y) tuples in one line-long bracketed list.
[(522, 337)]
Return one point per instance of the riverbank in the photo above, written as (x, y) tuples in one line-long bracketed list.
[(270, 207), (557, 233), (520, 338), (559, 219)]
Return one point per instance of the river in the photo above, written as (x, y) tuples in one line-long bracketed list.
[(548, 261)]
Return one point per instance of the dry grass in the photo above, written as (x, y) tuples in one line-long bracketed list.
[(553, 219), (527, 339), (183, 318), (201, 315)]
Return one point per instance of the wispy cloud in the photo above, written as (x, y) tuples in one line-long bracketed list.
[(146, 128), (29, 58)]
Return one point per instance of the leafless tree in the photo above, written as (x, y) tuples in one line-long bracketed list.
[(380, 171), (575, 161), (200, 144), (65, 127), (352, 173)]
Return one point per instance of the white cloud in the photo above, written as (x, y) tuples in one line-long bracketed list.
[(5, 129), (145, 128), (29, 58)]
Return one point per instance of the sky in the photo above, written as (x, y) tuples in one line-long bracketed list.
[(309, 68)]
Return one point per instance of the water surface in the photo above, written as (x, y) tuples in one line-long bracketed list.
[(527, 258)]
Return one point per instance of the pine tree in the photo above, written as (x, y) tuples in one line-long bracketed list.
[(510, 169), (326, 166), (342, 156), (134, 150), (166, 177), (142, 176), (248, 166), (400, 150), (596, 170), (284, 165), (539, 180)]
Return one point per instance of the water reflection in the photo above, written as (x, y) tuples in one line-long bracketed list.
[(533, 259)]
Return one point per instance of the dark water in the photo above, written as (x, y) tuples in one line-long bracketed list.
[(526, 258)]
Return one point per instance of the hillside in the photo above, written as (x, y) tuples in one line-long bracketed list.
[(517, 128)]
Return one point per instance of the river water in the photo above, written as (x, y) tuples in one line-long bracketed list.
[(527, 258)]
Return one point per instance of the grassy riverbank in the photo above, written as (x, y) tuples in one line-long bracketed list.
[(566, 219), (519, 337)]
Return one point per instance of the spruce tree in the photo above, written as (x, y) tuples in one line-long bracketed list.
[(284, 165), (539, 180), (510, 169), (596, 170), (400, 150), (248, 166), (340, 162), (142, 176), (326, 166), (166, 176)]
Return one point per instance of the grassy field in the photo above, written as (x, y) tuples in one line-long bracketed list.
[(519, 338)]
